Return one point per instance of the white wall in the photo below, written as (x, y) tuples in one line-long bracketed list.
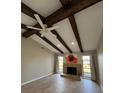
[(100, 60), (35, 61)]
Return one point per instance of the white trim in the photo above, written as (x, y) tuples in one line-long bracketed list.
[(35, 79)]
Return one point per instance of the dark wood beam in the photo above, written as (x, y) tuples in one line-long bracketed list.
[(49, 42), (28, 11), (60, 14), (23, 26), (75, 30)]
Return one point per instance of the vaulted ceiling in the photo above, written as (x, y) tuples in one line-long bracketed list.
[(80, 23)]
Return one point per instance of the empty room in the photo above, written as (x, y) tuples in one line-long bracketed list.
[(61, 46)]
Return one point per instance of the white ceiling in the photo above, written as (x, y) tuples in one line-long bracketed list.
[(89, 24), (43, 7), (25, 19)]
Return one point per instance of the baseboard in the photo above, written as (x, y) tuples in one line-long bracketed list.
[(35, 79)]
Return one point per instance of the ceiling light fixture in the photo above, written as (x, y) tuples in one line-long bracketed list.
[(72, 43), (42, 35), (58, 45)]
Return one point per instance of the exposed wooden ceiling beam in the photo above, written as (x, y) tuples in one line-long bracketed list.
[(49, 42), (31, 32), (60, 14), (75, 30), (23, 26)]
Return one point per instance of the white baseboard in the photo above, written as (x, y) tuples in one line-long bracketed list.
[(35, 79)]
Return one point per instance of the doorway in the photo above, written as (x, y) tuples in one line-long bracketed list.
[(86, 67)]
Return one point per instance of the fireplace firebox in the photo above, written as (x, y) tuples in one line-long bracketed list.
[(71, 70)]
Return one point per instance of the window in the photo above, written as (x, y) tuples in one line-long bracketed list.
[(86, 66), (60, 64)]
